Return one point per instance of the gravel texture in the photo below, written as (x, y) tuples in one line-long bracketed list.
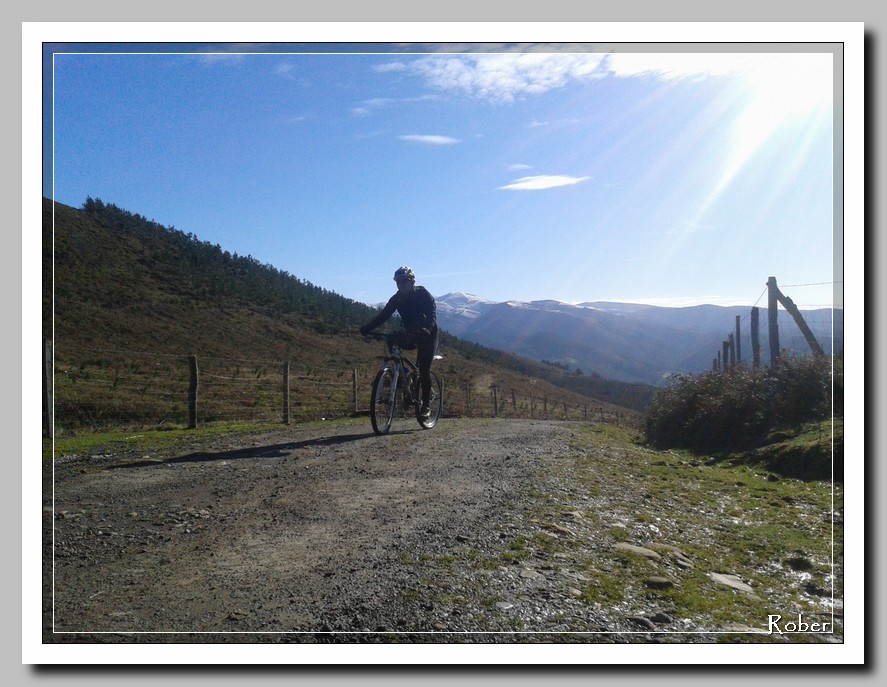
[(328, 533)]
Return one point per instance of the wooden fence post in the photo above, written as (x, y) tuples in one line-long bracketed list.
[(495, 401), (755, 338), (286, 392), (792, 309), (192, 393), (772, 315), (776, 296), (738, 345), (354, 389), (48, 419)]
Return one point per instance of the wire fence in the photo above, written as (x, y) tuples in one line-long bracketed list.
[(824, 322), (94, 390), (109, 390)]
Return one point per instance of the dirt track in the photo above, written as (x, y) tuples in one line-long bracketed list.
[(317, 532), (308, 529)]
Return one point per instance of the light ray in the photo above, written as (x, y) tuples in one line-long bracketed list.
[(780, 90)]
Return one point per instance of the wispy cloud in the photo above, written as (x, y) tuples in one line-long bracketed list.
[(221, 58), (373, 103), (390, 67), (503, 77), (518, 167), (230, 54), (542, 182), (430, 139), (366, 107), (286, 70), (557, 123)]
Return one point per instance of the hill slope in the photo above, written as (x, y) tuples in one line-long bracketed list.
[(127, 301)]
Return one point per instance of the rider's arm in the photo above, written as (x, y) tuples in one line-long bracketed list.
[(429, 310), (382, 317)]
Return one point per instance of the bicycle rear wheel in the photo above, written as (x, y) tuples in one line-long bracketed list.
[(435, 403), (383, 401)]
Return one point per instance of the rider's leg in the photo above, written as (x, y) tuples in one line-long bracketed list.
[(424, 358)]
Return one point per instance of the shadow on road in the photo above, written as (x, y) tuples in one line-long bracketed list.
[(271, 451)]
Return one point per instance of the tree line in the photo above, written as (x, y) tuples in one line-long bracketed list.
[(216, 274)]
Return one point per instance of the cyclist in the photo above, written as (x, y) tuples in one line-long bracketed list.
[(418, 315)]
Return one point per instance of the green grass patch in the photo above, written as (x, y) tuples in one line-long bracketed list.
[(777, 534), (516, 551), (153, 440), (812, 451), (158, 440)]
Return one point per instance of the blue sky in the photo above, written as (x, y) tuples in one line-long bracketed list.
[(665, 177)]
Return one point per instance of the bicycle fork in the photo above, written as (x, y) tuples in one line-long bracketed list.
[(400, 382)]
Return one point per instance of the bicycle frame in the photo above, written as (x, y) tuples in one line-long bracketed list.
[(399, 374), (402, 368)]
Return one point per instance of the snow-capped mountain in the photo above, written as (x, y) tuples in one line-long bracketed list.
[(461, 305), (627, 342)]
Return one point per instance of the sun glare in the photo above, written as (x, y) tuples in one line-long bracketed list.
[(789, 88), (778, 90)]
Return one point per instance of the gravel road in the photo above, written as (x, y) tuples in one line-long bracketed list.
[(324, 533)]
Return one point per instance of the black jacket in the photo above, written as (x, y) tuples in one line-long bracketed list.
[(417, 311)]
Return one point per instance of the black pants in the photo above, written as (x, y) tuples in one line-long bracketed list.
[(425, 347), (424, 358)]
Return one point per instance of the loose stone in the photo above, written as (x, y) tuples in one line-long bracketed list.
[(640, 550), (731, 581), (659, 583), (646, 623)]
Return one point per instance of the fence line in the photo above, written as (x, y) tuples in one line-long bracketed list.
[(730, 354), (122, 389)]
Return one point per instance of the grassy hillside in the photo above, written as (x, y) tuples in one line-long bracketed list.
[(126, 301)]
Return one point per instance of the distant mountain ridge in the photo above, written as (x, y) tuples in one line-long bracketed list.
[(629, 342)]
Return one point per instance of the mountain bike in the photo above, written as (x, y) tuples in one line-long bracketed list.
[(396, 385)]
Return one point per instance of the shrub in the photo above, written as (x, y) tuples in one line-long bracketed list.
[(737, 409), (801, 390)]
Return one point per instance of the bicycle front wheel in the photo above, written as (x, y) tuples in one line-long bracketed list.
[(435, 403), (383, 401)]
